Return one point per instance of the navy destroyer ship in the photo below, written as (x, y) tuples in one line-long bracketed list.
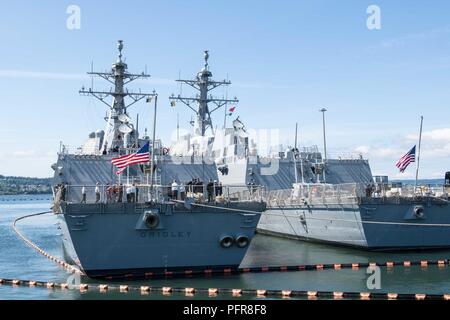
[(141, 221), (312, 197), (381, 216)]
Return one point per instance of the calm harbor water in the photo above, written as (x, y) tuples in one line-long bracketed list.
[(17, 260)]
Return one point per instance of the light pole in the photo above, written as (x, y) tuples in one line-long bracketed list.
[(323, 110)]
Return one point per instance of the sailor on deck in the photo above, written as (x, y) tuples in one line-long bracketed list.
[(120, 192), (109, 192), (182, 190), (97, 192), (83, 194), (210, 190), (131, 193), (174, 189)]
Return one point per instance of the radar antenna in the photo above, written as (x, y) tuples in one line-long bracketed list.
[(118, 120), (203, 83)]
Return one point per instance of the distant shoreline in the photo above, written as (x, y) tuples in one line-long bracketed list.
[(12, 185), (419, 181)]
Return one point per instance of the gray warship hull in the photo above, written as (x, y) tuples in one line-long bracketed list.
[(154, 230), (108, 240), (367, 223)]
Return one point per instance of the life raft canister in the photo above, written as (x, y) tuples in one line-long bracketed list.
[(151, 220)]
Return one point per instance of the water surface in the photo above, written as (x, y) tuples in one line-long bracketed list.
[(17, 260)]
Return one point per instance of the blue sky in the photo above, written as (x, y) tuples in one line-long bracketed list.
[(286, 60)]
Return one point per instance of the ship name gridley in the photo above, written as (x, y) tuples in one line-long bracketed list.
[(165, 234)]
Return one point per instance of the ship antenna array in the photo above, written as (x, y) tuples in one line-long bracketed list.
[(203, 84), (119, 77)]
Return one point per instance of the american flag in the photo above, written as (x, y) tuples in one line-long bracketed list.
[(141, 156), (404, 161)]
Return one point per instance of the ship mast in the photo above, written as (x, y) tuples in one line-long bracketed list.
[(119, 131), (203, 83)]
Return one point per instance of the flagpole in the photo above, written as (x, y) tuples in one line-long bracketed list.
[(225, 119), (418, 153), (153, 145), (178, 127), (128, 170), (225, 112), (295, 153)]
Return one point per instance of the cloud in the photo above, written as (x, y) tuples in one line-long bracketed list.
[(262, 85), (23, 154), (414, 37), (435, 143), (404, 175), (378, 152), (437, 135), (43, 75), (22, 74), (435, 154), (362, 149), (26, 154)]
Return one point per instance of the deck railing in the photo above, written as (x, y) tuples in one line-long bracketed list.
[(141, 193), (300, 194), (351, 193)]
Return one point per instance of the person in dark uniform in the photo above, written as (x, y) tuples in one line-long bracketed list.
[(210, 190), (63, 192), (220, 189), (216, 188), (120, 192), (369, 191), (136, 193), (109, 193), (252, 186), (189, 186), (198, 186)]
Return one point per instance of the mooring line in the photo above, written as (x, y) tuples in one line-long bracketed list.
[(60, 262), (214, 292)]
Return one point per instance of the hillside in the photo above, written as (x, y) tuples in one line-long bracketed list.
[(24, 185)]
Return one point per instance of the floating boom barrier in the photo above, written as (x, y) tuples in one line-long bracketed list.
[(441, 263), (214, 292)]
